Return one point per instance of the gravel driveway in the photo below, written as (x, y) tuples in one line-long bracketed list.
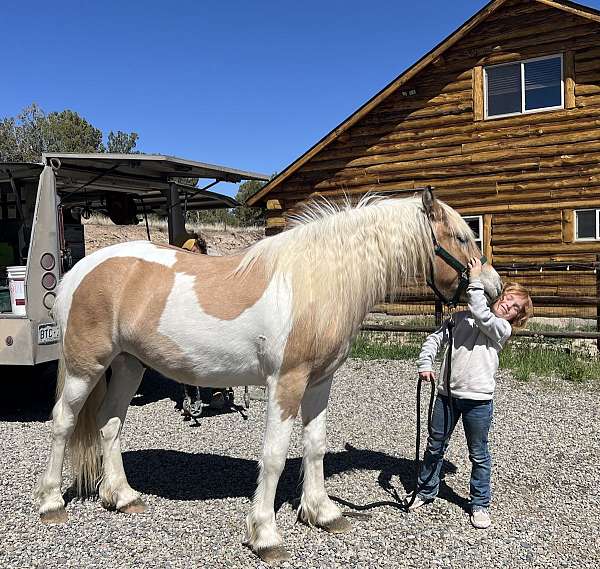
[(198, 482)]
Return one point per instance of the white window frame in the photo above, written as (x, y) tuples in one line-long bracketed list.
[(479, 218), (522, 64), (576, 237)]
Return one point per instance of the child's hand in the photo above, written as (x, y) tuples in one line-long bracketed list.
[(427, 376), (475, 267)]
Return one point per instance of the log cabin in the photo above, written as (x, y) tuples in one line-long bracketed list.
[(502, 118)]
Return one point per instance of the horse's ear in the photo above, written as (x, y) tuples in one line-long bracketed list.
[(432, 208)]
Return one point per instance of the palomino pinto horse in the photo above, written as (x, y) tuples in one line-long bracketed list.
[(283, 314)]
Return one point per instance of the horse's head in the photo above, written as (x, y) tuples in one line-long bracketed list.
[(454, 244)]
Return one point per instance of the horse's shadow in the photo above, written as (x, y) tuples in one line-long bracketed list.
[(179, 475), (155, 387)]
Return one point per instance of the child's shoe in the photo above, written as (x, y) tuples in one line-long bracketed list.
[(480, 517), (416, 504)]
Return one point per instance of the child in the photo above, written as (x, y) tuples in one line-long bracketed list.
[(479, 334)]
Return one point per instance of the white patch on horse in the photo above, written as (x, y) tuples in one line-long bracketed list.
[(255, 339)]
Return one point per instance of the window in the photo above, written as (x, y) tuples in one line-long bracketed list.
[(524, 87), (475, 222), (587, 224)]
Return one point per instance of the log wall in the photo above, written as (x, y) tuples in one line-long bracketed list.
[(525, 174)]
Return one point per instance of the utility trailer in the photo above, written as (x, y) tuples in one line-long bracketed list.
[(42, 236)]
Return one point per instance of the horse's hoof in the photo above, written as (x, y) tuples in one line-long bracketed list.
[(54, 517), (136, 507), (339, 525), (274, 554)]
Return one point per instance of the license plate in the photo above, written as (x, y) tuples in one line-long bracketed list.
[(48, 333)]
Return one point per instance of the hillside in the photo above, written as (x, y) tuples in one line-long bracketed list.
[(219, 241)]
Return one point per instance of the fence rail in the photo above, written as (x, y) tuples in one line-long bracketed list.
[(565, 291), (526, 333)]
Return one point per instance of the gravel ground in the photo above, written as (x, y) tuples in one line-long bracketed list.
[(198, 482)]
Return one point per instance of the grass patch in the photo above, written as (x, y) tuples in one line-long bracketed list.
[(571, 326), (531, 361), (524, 361), (365, 348)]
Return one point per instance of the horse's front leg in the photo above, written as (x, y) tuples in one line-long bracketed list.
[(283, 401), (316, 508)]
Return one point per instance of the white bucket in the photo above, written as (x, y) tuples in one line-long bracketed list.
[(16, 285)]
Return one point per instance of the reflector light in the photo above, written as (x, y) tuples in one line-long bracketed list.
[(49, 281), (47, 261), (49, 299)]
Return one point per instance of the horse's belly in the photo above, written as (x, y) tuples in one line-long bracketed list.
[(208, 364), (208, 350)]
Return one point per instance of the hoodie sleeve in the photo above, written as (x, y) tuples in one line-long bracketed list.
[(431, 346), (495, 328)]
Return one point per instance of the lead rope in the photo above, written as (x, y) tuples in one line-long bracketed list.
[(447, 374)]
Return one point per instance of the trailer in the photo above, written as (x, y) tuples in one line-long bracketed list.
[(42, 235)]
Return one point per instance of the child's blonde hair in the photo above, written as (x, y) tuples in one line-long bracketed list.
[(527, 311)]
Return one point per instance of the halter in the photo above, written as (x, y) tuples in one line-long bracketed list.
[(462, 270)]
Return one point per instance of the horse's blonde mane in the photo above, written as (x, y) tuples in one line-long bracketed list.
[(342, 259)]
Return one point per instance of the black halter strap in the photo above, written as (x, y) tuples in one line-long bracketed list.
[(462, 270)]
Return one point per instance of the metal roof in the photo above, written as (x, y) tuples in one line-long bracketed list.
[(149, 166), (84, 179)]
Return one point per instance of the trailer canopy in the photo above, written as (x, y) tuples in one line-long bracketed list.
[(84, 179)]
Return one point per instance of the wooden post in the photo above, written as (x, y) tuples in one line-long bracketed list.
[(478, 97), (569, 77), (439, 313), (568, 226), (598, 302), (487, 238)]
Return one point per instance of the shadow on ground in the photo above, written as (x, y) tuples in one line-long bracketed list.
[(185, 476), (27, 392), (155, 387)]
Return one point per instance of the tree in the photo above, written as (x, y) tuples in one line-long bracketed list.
[(68, 132), (23, 138), (249, 215), (32, 132), (121, 142)]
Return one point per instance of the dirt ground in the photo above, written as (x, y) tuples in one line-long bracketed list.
[(219, 241)]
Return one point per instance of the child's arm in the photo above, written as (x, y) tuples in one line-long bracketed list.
[(430, 348), (491, 325)]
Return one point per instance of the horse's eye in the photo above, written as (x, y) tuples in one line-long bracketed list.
[(462, 239)]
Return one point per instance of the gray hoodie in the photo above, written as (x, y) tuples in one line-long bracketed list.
[(478, 336)]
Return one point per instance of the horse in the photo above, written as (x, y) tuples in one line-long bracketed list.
[(283, 314)]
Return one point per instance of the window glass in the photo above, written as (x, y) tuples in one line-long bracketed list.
[(504, 89), (543, 87), (474, 222), (586, 224)]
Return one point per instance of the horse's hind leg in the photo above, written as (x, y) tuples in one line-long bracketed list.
[(115, 491), (74, 394), (316, 508)]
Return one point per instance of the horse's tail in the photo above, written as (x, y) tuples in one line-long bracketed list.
[(84, 444)]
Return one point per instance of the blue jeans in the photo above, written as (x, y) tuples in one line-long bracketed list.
[(476, 418)]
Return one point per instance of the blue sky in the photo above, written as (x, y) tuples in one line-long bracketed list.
[(248, 84)]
